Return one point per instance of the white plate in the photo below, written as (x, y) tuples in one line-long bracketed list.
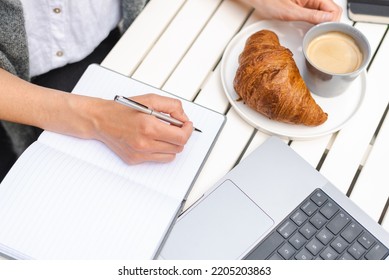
[(340, 109)]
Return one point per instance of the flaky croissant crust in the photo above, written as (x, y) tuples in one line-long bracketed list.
[(268, 81)]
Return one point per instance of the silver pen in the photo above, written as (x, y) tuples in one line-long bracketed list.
[(144, 109)]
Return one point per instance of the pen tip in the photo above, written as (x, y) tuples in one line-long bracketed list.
[(196, 129)]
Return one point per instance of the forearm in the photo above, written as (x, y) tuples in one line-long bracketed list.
[(134, 136), (49, 109)]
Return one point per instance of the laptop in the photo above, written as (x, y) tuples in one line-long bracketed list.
[(274, 205)]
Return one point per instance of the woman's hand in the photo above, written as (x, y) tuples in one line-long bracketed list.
[(137, 137), (134, 136), (313, 11)]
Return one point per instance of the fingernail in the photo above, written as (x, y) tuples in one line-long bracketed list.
[(327, 17)]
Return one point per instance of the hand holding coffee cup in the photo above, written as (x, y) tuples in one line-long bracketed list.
[(335, 54)]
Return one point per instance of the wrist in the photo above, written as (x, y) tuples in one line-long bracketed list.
[(83, 114), (66, 113)]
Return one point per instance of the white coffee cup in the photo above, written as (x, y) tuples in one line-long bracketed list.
[(335, 55)]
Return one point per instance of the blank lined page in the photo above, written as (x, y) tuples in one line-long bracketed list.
[(68, 198), (58, 207)]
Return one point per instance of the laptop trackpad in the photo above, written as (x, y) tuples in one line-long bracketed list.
[(222, 226)]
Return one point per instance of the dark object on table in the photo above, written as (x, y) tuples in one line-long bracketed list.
[(376, 11)]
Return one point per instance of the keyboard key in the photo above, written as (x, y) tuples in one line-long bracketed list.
[(287, 228), (346, 257), (286, 251), (377, 252), (303, 255), (351, 232), (319, 198), (329, 254), (339, 244), (297, 240), (309, 207), (299, 217), (308, 230), (329, 210), (356, 250), (325, 236), (265, 248), (338, 222), (318, 220), (314, 246), (366, 240)]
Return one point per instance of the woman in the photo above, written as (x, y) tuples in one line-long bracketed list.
[(44, 48)]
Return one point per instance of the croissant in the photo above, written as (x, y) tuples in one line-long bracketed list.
[(268, 81)]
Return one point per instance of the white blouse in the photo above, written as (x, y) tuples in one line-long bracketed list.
[(65, 31)]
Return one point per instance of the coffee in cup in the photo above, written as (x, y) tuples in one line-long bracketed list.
[(335, 54)]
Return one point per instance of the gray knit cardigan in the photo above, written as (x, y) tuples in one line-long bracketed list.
[(14, 56)]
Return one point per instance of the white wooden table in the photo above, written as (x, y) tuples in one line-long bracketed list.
[(177, 45)]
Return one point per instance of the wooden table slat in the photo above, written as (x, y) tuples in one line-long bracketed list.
[(205, 53), (175, 41), (212, 94), (141, 36)]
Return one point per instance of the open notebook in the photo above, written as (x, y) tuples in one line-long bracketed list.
[(67, 198)]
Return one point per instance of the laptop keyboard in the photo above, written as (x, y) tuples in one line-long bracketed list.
[(319, 229)]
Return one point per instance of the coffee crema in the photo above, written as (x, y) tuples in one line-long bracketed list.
[(335, 52)]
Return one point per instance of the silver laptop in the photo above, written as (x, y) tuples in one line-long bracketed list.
[(274, 205)]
